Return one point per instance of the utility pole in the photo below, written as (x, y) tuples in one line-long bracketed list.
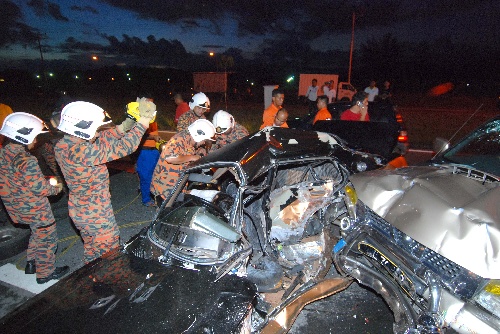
[(42, 66), (351, 48)]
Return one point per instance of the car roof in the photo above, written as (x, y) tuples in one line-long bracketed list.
[(255, 153)]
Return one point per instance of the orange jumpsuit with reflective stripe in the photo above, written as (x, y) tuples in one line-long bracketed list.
[(83, 164), (24, 191)]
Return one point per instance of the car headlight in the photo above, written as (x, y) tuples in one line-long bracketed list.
[(361, 166), (489, 297)]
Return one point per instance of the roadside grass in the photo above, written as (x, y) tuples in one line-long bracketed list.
[(425, 117)]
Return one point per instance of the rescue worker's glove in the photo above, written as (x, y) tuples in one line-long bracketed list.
[(133, 111), (147, 109), (160, 145), (127, 124)]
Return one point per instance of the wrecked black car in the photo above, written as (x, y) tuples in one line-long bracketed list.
[(241, 245), (432, 249)]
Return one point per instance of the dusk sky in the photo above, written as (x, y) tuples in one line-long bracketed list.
[(203, 26)]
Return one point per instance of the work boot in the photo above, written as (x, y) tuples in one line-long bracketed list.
[(57, 273), (30, 267)]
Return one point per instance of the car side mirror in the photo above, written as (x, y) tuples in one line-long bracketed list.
[(440, 145)]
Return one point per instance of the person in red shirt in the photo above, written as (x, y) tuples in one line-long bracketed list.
[(359, 109), (182, 106), (323, 114), (278, 96)]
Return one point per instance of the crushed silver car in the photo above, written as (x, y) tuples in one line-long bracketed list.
[(430, 240)]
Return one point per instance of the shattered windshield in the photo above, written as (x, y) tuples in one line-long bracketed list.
[(480, 150)]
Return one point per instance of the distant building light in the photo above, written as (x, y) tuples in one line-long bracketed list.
[(128, 74), (290, 79), (211, 54), (51, 74), (251, 84), (2, 79), (38, 76), (112, 79), (129, 79), (95, 58), (76, 77), (90, 78)]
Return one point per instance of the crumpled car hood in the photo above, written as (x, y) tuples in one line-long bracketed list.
[(454, 215)]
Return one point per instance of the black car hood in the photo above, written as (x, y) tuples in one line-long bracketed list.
[(120, 293)]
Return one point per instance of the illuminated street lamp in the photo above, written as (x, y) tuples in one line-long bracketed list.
[(211, 54), (95, 58)]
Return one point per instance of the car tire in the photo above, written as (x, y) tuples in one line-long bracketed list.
[(13, 240)]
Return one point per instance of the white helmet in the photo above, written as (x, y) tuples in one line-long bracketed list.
[(200, 100), (22, 127), (223, 121), (82, 119), (201, 129)]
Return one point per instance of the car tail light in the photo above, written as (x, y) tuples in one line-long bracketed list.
[(399, 118), (403, 137)]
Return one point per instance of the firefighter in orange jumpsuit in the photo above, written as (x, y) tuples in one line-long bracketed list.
[(199, 105), (227, 130), (179, 151), (24, 191), (82, 155)]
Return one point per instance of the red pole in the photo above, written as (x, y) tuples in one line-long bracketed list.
[(351, 48)]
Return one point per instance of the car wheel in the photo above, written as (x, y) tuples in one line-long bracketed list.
[(13, 240)]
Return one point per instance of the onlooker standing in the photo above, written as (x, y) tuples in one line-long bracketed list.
[(227, 130), (179, 151), (372, 91), (24, 190), (147, 159), (182, 107), (312, 95), (332, 94), (82, 155), (277, 98), (358, 110), (326, 88), (386, 91), (323, 114), (199, 105)]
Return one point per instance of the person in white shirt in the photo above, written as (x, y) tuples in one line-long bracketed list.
[(312, 95), (332, 94), (372, 91)]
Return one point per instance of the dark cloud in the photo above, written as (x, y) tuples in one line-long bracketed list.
[(71, 45), (12, 28), (307, 19), (212, 46), (47, 8), (85, 9)]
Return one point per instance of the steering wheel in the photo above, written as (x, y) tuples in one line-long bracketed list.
[(204, 202)]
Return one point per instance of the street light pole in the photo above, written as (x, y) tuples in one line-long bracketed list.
[(42, 64), (351, 48)]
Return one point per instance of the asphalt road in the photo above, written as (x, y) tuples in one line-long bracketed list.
[(355, 310)]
